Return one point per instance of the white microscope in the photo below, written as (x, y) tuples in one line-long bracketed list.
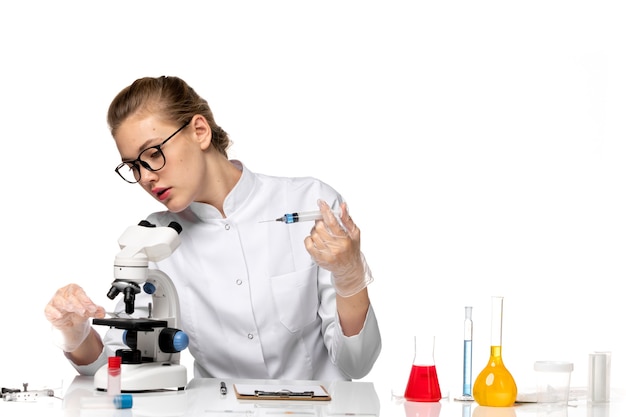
[(152, 360)]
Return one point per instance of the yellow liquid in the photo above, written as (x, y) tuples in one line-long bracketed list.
[(494, 385)]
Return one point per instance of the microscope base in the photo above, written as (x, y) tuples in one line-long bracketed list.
[(150, 376)]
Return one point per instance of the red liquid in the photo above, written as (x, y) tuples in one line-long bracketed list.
[(423, 384)]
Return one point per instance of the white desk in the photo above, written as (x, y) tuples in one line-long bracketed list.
[(360, 399)]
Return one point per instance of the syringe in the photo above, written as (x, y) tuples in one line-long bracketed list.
[(304, 216)]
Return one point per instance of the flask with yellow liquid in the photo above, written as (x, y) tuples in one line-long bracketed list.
[(494, 385)]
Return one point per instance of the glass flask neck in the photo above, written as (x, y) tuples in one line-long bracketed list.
[(496, 321), (496, 354), (424, 350)]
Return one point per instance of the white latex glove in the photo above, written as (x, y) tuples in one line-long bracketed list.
[(69, 312), (336, 246)]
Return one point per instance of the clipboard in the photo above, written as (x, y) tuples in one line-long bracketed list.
[(281, 392)]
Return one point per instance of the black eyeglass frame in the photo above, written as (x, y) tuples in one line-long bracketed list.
[(140, 163)]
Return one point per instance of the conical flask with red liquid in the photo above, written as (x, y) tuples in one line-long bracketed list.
[(423, 385)]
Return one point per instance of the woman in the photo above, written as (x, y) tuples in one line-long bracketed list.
[(258, 299)]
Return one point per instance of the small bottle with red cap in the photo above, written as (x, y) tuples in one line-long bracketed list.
[(114, 383)]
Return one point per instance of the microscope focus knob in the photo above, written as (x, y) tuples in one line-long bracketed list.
[(149, 288), (173, 340)]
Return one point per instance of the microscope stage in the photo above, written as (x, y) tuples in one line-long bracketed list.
[(131, 324)]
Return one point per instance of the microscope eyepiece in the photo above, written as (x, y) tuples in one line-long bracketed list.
[(176, 226)]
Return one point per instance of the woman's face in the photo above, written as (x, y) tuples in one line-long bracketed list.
[(178, 183)]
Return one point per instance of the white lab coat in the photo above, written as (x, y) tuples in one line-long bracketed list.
[(253, 302)]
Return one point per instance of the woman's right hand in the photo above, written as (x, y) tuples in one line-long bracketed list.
[(69, 311)]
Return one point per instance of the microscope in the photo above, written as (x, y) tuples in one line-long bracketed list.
[(152, 360)]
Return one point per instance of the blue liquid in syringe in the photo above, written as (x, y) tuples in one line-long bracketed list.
[(467, 367)]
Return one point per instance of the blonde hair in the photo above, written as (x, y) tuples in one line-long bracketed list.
[(168, 96)]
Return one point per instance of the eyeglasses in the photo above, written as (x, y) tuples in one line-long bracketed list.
[(151, 158)]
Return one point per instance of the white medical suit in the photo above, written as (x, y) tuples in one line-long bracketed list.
[(252, 301)]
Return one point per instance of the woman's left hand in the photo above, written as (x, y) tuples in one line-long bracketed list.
[(336, 246)]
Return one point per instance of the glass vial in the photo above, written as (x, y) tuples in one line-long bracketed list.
[(114, 382), (494, 385), (423, 385), (107, 402), (599, 390)]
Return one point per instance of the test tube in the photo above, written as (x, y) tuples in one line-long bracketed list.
[(121, 401), (467, 356), (114, 381)]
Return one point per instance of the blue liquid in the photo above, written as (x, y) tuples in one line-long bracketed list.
[(467, 367)]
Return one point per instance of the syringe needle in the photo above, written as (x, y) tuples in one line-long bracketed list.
[(300, 217)]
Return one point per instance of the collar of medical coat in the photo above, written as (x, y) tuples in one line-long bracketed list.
[(233, 200)]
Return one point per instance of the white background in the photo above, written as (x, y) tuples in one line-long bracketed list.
[(480, 146)]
